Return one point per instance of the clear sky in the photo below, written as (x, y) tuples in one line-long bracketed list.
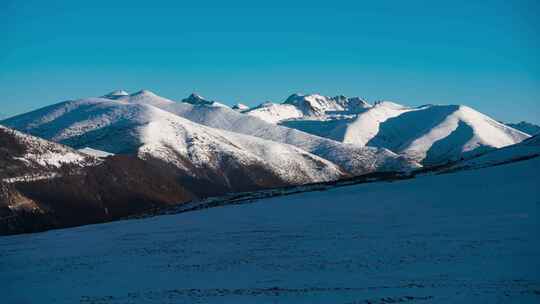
[(481, 53)]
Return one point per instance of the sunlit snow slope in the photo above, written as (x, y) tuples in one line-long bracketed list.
[(132, 127), (431, 134), (353, 158), (88, 121)]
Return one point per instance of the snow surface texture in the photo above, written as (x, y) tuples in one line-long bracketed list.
[(467, 237), (139, 127), (432, 134), (87, 122)]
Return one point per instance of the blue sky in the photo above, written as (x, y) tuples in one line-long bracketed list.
[(480, 53)]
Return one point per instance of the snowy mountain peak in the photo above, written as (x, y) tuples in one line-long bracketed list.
[(196, 96), (144, 92), (432, 134), (196, 99), (300, 100), (294, 97), (312, 105), (351, 103), (317, 105), (146, 97), (389, 104), (240, 107), (116, 94)]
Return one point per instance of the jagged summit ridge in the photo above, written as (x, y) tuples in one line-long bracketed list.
[(310, 107), (316, 105), (196, 99)]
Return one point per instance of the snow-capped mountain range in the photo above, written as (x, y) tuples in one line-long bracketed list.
[(122, 125), (144, 130), (127, 153), (430, 134), (347, 134)]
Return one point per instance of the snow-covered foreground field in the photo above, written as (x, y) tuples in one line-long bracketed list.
[(469, 237)]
